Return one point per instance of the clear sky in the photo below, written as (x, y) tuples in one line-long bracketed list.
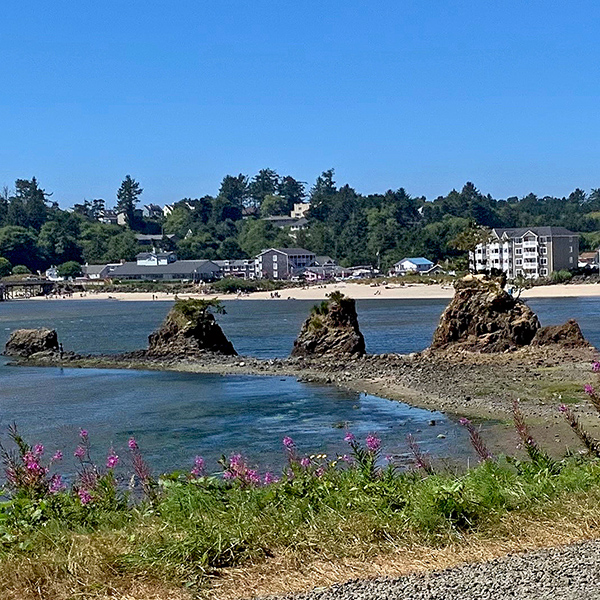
[(420, 94)]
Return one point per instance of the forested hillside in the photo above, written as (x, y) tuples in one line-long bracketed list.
[(352, 228)]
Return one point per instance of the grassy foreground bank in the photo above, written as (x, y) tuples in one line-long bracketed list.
[(117, 531)]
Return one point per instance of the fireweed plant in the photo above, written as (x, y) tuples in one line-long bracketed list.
[(186, 525)]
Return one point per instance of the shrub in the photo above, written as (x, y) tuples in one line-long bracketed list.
[(560, 276), (21, 270)]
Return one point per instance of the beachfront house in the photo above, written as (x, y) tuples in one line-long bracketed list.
[(241, 268), (530, 252), (283, 263), (164, 266), (412, 265), (588, 260), (98, 272)]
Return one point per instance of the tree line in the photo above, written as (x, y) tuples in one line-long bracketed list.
[(352, 228)]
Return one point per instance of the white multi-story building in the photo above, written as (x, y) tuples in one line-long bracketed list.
[(530, 252)]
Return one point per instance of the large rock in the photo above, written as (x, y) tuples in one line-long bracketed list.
[(331, 330), (190, 329), (483, 317), (567, 335), (27, 342)]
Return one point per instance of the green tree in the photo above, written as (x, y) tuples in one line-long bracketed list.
[(122, 246), (33, 201), (273, 205), (128, 195), (264, 183), (58, 240), (5, 267), (292, 190), (18, 245), (69, 269), (94, 241)]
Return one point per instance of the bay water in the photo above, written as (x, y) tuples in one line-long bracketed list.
[(175, 416)]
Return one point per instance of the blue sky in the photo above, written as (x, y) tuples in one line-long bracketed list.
[(423, 95)]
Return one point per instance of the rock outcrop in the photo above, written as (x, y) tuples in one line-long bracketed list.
[(190, 329), (567, 335), (483, 317), (331, 330), (24, 343)]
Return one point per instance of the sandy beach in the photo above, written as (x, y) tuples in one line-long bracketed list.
[(354, 290)]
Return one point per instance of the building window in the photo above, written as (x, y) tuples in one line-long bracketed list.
[(544, 272), (518, 261), (544, 261), (275, 258), (570, 248), (518, 251), (571, 259)]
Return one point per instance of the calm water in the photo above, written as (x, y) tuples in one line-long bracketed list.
[(176, 415)]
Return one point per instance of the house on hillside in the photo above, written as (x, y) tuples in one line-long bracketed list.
[(108, 217), (283, 263), (412, 265), (154, 259), (156, 240), (300, 209), (152, 211)]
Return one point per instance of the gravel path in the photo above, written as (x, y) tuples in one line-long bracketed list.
[(568, 573)]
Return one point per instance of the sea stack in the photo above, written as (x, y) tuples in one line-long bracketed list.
[(331, 330), (24, 343), (483, 317), (189, 329)]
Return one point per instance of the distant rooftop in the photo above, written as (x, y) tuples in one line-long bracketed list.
[(516, 232)]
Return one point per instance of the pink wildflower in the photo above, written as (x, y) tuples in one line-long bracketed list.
[(305, 462), (563, 408), (198, 468), (270, 478), (112, 459), (132, 443), (79, 452), (373, 443), (596, 366), (38, 449), (349, 437), (84, 496), (319, 472), (58, 456), (83, 434), (56, 484), (589, 389), (288, 442)]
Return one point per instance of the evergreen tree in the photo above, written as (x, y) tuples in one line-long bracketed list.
[(128, 195)]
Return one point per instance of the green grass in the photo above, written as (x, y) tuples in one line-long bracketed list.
[(199, 527)]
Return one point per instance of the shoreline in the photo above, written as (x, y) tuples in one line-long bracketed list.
[(477, 386), (358, 291)]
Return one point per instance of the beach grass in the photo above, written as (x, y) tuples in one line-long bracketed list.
[(196, 531)]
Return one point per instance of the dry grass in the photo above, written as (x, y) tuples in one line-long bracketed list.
[(290, 573), (85, 570), (82, 570)]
